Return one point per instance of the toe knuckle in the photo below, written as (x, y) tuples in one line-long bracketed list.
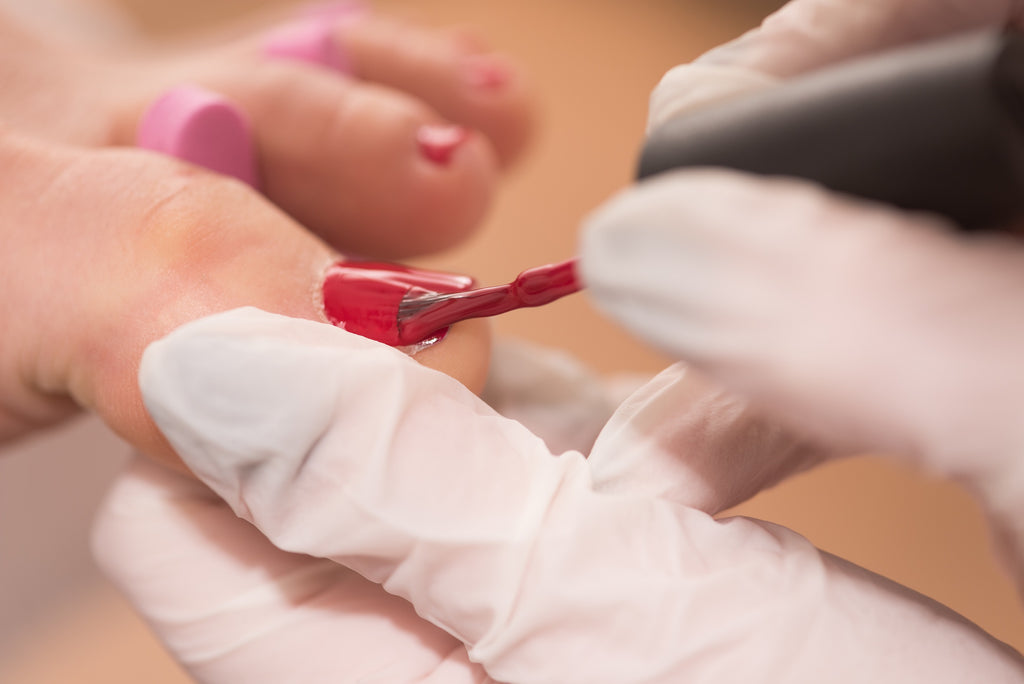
[(186, 218)]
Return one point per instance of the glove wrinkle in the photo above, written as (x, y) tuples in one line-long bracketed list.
[(553, 395), (685, 439), (690, 87), (184, 559)]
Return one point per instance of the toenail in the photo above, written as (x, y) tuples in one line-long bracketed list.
[(438, 143), (485, 71)]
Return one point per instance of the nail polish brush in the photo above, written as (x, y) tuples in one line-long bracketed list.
[(403, 306), (419, 315)]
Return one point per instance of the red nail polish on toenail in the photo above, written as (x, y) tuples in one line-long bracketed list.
[(485, 72), (363, 297), (438, 142)]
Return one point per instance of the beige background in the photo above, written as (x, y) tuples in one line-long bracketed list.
[(594, 62)]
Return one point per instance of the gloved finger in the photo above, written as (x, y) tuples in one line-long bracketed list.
[(555, 396), (678, 436), (232, 608), (809, 34), (839, 315), (339, 448), (684, 438)]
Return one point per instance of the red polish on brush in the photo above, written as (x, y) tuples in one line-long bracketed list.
[(363, 296), (400, 306)]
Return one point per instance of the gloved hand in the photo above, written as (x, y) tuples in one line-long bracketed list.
[(445, 543), (860, 325)]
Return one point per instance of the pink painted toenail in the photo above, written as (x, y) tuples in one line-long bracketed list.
[(312, 40), (484, 71), (203, 128), (438, 142)]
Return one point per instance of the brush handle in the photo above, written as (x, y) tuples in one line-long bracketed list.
[(533, 287), (934, 127), (545, 284)]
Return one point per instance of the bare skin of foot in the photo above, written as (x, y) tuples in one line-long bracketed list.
[(108, 248)]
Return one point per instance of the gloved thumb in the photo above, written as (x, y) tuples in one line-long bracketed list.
[(853, 322)]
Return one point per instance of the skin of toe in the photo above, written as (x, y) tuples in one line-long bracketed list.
[(132, 245)]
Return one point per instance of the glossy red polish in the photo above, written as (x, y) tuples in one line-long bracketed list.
[(363, 297), (437, 143), (401, 306)]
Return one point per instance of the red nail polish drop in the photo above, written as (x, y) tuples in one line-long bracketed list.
[(438, 143), (363, 297)]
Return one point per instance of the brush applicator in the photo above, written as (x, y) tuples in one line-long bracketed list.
[(419, 315), (401, 306)]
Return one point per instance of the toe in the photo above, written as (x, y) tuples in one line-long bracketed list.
[(373, 171), (383, 138), (457, 76)]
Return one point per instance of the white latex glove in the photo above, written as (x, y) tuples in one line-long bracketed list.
[(554, 395), (867, 327), (523, 566)]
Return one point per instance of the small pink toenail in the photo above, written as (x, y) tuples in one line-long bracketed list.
[(486, 72), (439, 142)]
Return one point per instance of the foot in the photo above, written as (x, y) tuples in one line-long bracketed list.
[(107, 250), (393, 156)]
